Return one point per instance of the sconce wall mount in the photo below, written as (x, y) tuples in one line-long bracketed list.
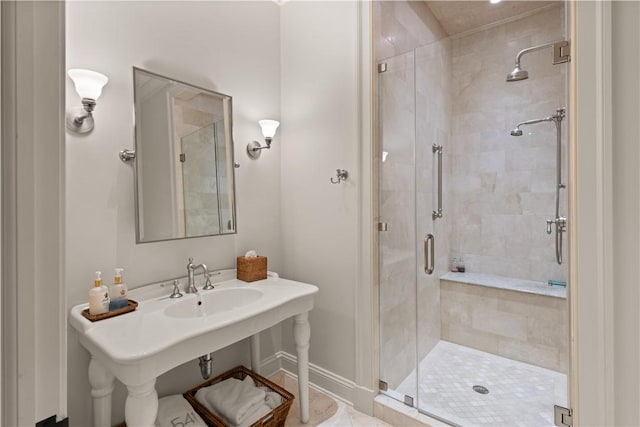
[(269, 127), (89, 86)]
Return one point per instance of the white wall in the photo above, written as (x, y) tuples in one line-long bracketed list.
[(231, 47), (319, 42)]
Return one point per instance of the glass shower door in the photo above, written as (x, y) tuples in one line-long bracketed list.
[(398, 257)]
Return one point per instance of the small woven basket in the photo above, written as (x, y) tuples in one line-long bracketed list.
[(275, 418), (251, 269)]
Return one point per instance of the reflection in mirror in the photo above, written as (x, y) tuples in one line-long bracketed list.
[(184, 160)]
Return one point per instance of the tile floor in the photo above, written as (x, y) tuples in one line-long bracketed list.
[(519, 394), (346, 416), (324, 411)]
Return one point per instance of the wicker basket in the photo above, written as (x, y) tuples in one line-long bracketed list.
[(251, 269), (275, 418)]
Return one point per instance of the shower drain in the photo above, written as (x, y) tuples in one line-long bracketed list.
[(480, 389)]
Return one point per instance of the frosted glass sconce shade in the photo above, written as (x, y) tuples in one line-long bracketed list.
[(269, 128), (88, 85)]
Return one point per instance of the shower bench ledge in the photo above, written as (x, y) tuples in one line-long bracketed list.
[(506, 283)]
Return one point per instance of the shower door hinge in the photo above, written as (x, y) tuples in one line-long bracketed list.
[(183, 157), (408, 400), (382, 385), (562, 417), (561, 52), (382, 226), (382, 67)]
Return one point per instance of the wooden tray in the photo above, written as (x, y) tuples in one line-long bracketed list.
[(95, 317)]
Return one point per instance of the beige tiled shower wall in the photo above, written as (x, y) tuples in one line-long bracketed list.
[(502, 188), (527, 327)]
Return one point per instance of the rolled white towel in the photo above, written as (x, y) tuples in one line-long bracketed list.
[(175, 410), (272, 399)]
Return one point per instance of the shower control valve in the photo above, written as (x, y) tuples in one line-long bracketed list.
[(560, 222)]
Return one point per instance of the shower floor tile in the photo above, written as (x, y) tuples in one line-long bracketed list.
[(519, 394)]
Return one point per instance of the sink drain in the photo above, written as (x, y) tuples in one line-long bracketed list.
[(480, 389)]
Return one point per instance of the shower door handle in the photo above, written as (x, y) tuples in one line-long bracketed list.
[(438, 213), (429, 253)]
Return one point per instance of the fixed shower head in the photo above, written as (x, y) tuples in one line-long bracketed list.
[(560, 55), (517, 74), (516, 132)]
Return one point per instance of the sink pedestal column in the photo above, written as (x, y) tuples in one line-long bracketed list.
[(101, 381), (301, 335), (141, 407)]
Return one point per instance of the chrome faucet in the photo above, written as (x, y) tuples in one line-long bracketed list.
[(191, 283)]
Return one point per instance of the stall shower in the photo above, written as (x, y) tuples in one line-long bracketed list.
[(473, 299)]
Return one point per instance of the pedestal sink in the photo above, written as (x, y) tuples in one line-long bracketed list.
[(163, 333)]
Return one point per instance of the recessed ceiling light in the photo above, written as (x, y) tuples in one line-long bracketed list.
[(494, 1)]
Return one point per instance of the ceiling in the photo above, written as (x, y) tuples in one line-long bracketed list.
[(461, 16)]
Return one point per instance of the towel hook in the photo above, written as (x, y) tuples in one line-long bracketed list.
[(341, 174)]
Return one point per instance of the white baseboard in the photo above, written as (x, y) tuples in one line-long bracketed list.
[(323, 380), (271, 365)]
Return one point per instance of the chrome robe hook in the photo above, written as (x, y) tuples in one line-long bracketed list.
[(341, 174)]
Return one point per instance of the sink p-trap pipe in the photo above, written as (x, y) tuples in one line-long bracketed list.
[(206, 365)]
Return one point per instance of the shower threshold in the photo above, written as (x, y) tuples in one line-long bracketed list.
[(469, 387)]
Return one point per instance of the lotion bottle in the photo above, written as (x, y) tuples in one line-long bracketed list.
[(118, 292), (98, 297)]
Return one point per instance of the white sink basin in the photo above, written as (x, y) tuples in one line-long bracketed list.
[(213, 302)]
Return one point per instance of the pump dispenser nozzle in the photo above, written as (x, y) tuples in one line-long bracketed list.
[(97, 282), (118, 276)]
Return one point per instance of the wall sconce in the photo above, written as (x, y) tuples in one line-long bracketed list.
[(89, 86), (269, 128)]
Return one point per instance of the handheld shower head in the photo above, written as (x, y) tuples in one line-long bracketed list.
[(517, 74), (556, 117)]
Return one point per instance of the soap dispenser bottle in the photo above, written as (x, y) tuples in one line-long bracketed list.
[(118, 292), (98, 297)]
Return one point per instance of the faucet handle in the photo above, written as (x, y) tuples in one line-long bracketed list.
[(207, 283), (176, 290), (549, 222)]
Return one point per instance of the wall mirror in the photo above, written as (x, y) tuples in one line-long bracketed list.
[(184, 174)]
